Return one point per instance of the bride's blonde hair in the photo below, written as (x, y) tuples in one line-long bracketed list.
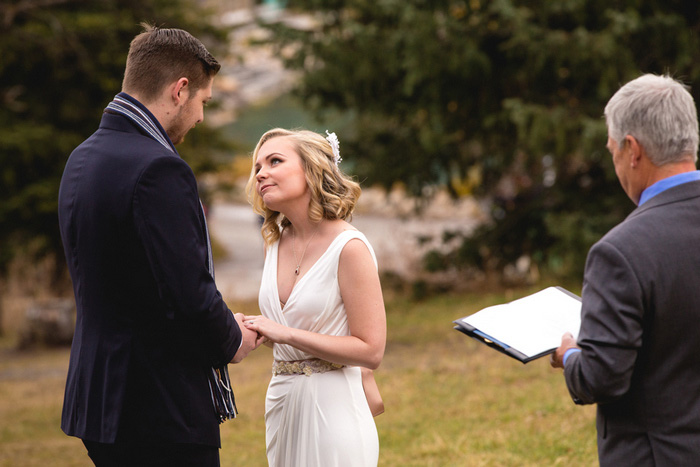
[(333, 193)]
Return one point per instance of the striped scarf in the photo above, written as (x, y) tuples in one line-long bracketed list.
[(219, 381)]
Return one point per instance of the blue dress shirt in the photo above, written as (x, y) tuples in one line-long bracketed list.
[(666, 183)]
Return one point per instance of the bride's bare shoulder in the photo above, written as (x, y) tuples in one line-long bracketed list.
[(344, 225)]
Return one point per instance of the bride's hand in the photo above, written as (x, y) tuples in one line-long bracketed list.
[(271, 330)]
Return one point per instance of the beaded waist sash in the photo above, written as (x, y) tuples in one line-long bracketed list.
[(303, 367)]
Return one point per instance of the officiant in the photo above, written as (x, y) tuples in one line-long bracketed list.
[(638, 351)]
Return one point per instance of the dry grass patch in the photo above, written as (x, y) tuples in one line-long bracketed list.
[(450, 401)]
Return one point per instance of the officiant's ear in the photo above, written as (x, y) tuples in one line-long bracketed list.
[(635, 150)]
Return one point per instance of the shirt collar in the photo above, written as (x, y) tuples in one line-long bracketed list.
[(135, 111), (666, 183)]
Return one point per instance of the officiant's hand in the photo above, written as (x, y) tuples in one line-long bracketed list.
[(557, 358), (251, 340)]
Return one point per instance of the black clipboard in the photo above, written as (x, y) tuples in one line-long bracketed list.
[(502, 347)]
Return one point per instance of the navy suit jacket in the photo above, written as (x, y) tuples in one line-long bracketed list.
[(150, 321), (640, 334)]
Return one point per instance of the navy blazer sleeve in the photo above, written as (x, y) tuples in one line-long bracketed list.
[(169, 220), (611, 328)]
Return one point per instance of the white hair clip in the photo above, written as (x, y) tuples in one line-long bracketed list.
[(335, 146)]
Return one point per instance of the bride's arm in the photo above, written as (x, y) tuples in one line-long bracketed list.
[(362, 295)]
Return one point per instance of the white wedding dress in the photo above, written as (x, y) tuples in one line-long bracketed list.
[(322, 419)]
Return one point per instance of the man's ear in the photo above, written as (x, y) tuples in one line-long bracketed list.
[(634, 149), (180, 91)]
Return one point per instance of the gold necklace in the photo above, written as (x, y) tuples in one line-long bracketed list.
[(294, 247)]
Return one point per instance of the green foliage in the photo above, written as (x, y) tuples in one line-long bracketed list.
[(61, 62), (502, 99)]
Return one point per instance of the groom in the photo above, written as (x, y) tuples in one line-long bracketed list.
[(151, 325)]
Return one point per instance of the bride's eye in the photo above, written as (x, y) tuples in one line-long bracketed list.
[(275, 161)]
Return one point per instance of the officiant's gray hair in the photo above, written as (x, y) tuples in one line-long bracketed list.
[(660, 113), (333, 193)]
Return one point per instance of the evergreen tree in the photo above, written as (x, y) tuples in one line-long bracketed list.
[(499, 98), (61, 62)]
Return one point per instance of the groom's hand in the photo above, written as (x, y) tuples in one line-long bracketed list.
[(251, 340)]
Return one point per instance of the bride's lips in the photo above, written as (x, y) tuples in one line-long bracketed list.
[(264, 187)]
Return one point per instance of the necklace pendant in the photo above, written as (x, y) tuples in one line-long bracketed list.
[(296, 271)]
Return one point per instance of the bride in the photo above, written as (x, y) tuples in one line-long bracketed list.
[(321, 303)]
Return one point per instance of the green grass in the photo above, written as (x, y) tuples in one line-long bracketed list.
[(450, 401)]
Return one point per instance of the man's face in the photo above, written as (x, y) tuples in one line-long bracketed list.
[(623, 168), (615, 151), (190, 113)]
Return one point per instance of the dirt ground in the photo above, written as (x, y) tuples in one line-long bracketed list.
[(399, 241)]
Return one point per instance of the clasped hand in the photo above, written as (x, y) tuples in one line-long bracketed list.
[(268, 329), (250, 340)]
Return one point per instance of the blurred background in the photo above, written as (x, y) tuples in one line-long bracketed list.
[(475, 128)]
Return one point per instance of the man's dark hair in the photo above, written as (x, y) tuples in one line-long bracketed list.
[(158, 57)]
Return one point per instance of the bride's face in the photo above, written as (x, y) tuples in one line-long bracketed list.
[(279, 175)]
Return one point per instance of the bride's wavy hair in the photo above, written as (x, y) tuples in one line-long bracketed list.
[(333, 193)]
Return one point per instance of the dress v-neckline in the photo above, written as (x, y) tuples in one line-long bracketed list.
[(284, 304)]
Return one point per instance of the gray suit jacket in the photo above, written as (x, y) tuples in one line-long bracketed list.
[(640, 334)]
